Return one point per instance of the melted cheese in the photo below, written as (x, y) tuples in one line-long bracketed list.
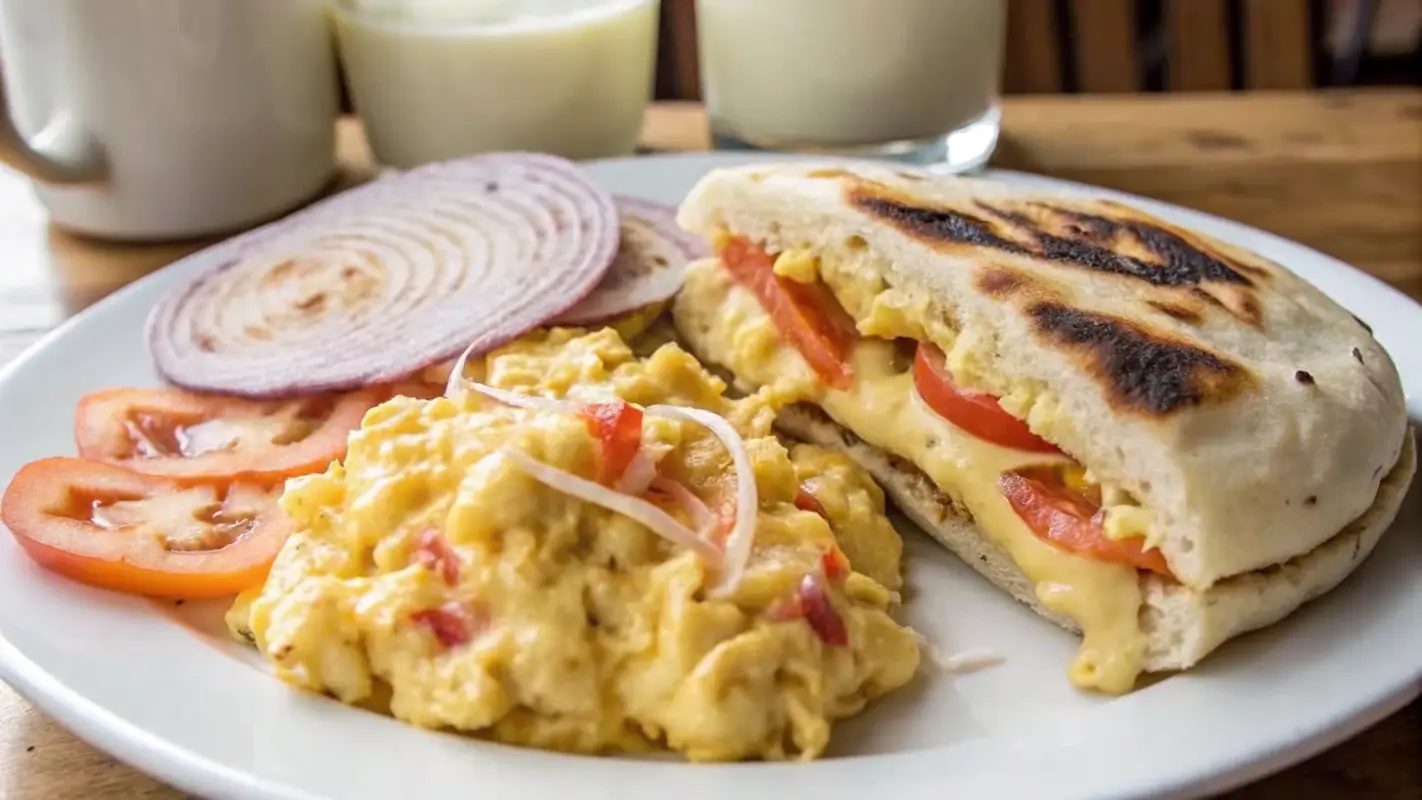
[(883, 409)]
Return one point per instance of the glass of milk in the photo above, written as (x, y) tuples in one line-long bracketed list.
[(910, 79), (438, 79)]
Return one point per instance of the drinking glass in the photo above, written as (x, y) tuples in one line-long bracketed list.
[(914, 80), (438, 79)]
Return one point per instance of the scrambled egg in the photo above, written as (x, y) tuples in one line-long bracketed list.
[(582, 630)]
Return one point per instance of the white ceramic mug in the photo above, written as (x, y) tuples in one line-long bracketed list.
[(160, 119)]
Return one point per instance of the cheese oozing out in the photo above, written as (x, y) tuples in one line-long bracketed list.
[(882, 407)]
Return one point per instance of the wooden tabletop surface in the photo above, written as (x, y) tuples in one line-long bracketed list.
[(1341, 172)]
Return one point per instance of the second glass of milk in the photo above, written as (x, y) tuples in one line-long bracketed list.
[(910, 79), (439, 79)]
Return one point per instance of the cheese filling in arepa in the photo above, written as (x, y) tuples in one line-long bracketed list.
[(830, 309)]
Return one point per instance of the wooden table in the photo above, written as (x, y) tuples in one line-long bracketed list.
[(1340, 172)]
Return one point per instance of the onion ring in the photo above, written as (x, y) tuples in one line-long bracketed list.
[(701, 515), (382, 280), (742, 537), (530, 402), (649, 268), (639, 510), (638, 476)]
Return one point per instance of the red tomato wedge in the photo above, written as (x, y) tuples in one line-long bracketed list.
[(116, 529), (807, 315), (453, 624), (833, 560), (204, 439), (812, 604), (618, 427), (977, 413), (807, 502), (1068, 519), (820, 613), (434, 553), (835, 563)]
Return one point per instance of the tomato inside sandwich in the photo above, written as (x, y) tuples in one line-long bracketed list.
[(879, 374)]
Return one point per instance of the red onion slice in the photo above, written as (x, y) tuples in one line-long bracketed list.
[(639, 510), (741, 540), (650, 265), (638, 476), (388, 277), (701, 515)]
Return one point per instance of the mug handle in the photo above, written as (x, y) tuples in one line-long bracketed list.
[(60, 153)]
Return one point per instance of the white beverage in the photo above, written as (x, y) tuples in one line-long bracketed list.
[(848, 73), (438, 79)]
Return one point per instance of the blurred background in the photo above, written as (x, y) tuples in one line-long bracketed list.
[(1069, 46)]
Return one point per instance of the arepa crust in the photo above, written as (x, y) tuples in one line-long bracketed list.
[(1253, 415), (1181, 625)]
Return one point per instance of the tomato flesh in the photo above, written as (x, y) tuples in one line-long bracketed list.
[(433, 552), (116, 529), (819, 612), (977, 413), (452, 624), (618, 428), (835, 564), (194, 438), (807, 315), (1059, 514), (807, 502)]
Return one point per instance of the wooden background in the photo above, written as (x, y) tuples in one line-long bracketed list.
[(1099, 46)]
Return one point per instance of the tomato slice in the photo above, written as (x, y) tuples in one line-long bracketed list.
[(807, 315), (977, 413), (208, 439), (618, 427), (116, 529), (1068, 519)]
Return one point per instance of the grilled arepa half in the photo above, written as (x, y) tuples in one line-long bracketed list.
[(1150, 436)]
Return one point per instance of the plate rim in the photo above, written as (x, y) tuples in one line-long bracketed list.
[(187, 770)]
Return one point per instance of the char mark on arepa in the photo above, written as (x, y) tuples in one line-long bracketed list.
[(1140, 371), (934, 225), (1088, 242), (997, 282), (1180, 264), (1187, 315)]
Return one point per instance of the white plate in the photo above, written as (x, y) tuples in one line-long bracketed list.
[(162, 688)]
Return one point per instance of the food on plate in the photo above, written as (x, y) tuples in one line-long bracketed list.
[(116, 529), (1151, 437), (175, 495), (582, 550), (301, 327), (379, 281), (651, 258), (194, 438), (632, 298)]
